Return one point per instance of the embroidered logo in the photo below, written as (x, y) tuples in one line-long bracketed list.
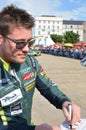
[(28, 76), (11, 97)]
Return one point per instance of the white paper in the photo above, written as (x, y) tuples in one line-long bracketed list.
[(80, 126)]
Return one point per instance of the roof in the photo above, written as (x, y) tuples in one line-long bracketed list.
[(48, 16), (73, 22)]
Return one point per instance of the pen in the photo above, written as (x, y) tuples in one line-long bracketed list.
[(70, 113)]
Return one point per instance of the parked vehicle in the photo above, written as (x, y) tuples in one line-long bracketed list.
[(34, 52)]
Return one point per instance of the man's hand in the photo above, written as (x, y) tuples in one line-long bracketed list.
[(75, 112)]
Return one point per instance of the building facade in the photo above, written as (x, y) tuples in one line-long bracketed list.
[(75, 26), (46, 25), (84, 31)]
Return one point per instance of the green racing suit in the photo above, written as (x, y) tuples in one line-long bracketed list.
[(17, 85)]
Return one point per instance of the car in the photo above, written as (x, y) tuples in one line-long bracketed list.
[(34, 52)]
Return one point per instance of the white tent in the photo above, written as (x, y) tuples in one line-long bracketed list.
[(49, 41), (37, 40), (44, 41)]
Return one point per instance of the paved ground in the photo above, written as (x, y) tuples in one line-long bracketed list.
[(71, 79)]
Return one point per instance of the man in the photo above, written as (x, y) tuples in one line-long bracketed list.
[(83, 61), (20, 74)]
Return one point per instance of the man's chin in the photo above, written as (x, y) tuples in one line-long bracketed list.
[(20, 61)]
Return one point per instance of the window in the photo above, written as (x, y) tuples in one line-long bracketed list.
[(48, 32), (38, 32), (57, 27), (48, 27), (39, 26)]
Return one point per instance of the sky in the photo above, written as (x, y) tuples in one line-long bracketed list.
[(67, 9)]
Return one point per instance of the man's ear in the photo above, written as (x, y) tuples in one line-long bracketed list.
[(1, 39)]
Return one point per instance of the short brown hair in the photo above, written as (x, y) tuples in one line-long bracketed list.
[(11, 17)]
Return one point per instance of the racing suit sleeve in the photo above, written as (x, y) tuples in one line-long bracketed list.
[(49, 89)]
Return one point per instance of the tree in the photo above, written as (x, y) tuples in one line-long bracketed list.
[(57, 38), (71, 37)]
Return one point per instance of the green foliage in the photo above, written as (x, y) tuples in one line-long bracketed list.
[(57, 38), (71, 37), (68, 37)]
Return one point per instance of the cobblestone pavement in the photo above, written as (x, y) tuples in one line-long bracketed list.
[(71, 79)]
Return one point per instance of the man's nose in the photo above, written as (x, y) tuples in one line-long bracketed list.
[(26, 48)]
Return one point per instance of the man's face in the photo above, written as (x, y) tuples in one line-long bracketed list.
[(9, 51)]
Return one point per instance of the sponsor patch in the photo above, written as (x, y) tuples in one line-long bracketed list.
[(28, 76), (11, 97), (30, 86), (3, 81), (16, 109), (25, 70), (42, 72), (29, 82), (41, 69)]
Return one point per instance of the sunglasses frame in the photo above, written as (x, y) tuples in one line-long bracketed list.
[(22, 44)]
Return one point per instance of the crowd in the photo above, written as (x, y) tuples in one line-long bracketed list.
[(70, 52)]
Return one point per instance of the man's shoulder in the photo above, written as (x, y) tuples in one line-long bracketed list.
[(32, 60), (30, 56)]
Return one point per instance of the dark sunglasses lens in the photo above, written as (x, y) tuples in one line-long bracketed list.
[(31, 42), (20, 45)]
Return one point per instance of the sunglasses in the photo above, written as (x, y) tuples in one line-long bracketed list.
[(21, 44)]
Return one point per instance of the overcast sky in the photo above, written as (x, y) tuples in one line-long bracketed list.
[(68, 9)]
